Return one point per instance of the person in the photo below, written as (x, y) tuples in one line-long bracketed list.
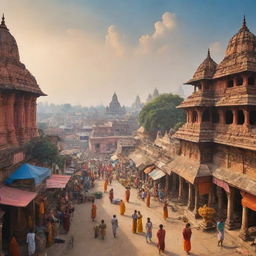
[(161, 237), (105, 186), (93, 211), (187, 236), (139, 223), (111, 195), (165, 209), (148, 228), (66, 220), (148, 200), (102, 228), (122, 207), (220, 229), (14, 249), (134, 221), (31, 241), (49, 234), (114, 223), (127, 195)]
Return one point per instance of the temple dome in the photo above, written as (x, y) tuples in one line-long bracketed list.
[(240, 53), (13, 74), (206, 70)]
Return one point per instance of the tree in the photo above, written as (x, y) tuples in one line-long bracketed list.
[(161, 113)]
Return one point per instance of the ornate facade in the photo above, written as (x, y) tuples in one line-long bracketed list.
[(114, 109)]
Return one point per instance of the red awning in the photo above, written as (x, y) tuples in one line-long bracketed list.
[(248, 201), (15, 197), (57, 181)]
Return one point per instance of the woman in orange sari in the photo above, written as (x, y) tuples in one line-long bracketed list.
[(122, 207), (93, 211), (14, 248), (127, 195), (187, 236), (148, 199), (105, 186), (165, 209)]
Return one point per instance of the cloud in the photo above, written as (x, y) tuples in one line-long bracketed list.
[(113, 40), (152, 42)]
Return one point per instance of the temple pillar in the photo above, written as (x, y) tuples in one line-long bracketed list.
[(244, 227), (20, 119), (3, 128), (234, 116), (230, 209), (191, 197), (174, 180), (220, 199), (167, 184), (28, 116), (181, 188), (222, 116), (200, 116), (246, 117), (210, 197), (9, 117), (196, 205)]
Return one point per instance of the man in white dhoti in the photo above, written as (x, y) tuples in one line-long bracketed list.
[(114, 223), (31, 241)]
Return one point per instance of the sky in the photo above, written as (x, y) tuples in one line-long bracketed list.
[(82, 51)]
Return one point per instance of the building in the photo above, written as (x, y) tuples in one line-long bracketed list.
[(114, 109)]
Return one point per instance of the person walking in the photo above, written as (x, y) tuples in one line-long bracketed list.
[(161, 239), (220, 230), (102, 228), (148, 228), (122, 207), (134, 222), (31, 241), (148, 199), (165, 210), (105, 186), (93, 211), (127, 195), (111, 195), (187, 236), (139, 223), (114, 223)]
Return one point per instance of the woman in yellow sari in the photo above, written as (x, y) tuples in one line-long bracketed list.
[(105, 185), (148, 199), (122, 207), (139, 223)]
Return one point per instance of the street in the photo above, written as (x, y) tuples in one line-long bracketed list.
[(129, 244)]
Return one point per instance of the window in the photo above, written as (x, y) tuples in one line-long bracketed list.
[(194, 117), (240, 117), (229, 117), (230, 83), (215, 116), (251, 80), (239, 81), (206, 116), (252, 117)]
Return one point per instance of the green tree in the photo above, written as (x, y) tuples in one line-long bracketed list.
[(161, 113)]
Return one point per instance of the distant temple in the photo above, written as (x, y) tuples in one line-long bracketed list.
[(137, 105), (114, 108)]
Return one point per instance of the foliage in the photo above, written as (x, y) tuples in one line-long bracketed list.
[(161, 113), (42, 150)]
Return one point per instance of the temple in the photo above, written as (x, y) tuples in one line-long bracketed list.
[(114, 109)]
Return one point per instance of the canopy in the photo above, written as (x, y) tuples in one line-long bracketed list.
[(57, 181), (149, 169), (156, 174), (15, 197), (249, 201), (28, 171)]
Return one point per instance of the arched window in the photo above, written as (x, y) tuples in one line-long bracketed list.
[(252, 117), (240, 117), (215, 116), (251, 80), (229, 117), (194, 117), (230, 83), (206, 116), (239, 81)]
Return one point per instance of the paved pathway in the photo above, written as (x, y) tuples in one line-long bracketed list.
[(129, 244)]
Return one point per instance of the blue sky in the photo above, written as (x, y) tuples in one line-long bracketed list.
[(100, 46)]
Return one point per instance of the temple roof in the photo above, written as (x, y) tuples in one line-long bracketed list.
[(240, 53), (13, 74), (205, 71)]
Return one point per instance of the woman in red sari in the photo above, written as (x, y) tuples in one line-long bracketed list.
[(161, 237), (127, 195), (14, 249), (187, 236), (111, 195)]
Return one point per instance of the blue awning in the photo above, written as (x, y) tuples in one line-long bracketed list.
[(28, 171)]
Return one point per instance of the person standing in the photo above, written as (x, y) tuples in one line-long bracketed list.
[(111, 195), (220, 229), (134, 221), (139, 223), (148, 199), (31, 241), (148, 227), (102, 228), (122, 207), (93, 211), (165, 210), (14, 248), (127, 195), (114, 223), (161, 239), (187, 236), (105, 186)]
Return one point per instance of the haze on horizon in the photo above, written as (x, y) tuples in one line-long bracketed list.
[(81, 51)]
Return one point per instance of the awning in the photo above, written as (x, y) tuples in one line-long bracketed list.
[(149, 169), (163, 165), (188, 169), (28, 171), (156, 174), (15, 197), (222, 184), (57, 181), (140, 159), (248, 201), (236, 179)]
